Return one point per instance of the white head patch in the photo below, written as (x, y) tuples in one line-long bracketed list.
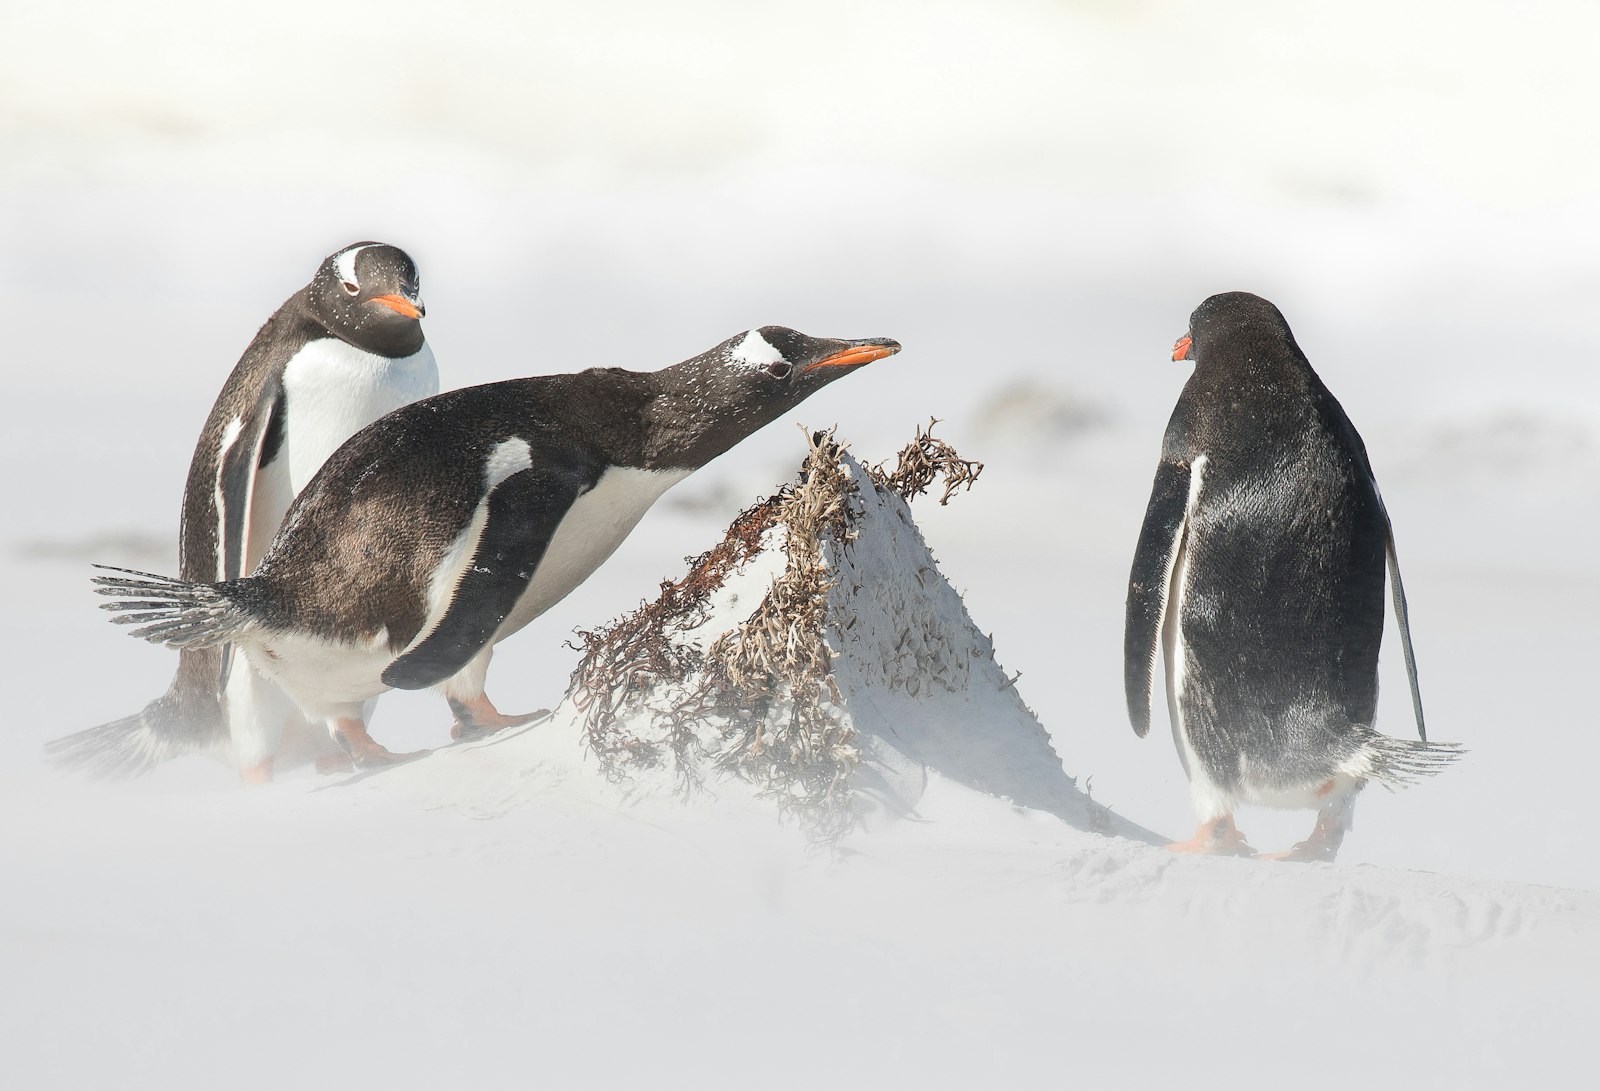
[(755, 351), (345, 263)]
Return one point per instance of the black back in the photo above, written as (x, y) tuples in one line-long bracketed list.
[(1282, 608)]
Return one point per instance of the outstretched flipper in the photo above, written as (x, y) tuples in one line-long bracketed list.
[(1149, 585), (523, 513)]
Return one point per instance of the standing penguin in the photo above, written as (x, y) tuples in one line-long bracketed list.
[(340, 353), (1260, 574), (450, 524)]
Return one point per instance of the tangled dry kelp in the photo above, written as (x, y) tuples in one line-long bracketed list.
[(759, 701), (922, 461)]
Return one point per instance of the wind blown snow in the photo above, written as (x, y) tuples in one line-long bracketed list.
[(1029, 196)]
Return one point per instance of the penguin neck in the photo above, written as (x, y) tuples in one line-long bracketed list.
[(700, 409), (1243, 369), (395, 340)]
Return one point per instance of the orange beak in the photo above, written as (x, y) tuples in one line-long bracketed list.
[(1180, 351), (855, 355), (398, 303)]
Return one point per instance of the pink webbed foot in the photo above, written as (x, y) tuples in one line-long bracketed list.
[(1215, 837), (476, 718), (365, 752)]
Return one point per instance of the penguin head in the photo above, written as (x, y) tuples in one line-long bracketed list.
[(369, 295), (728, 392), (1233, 321), (778, 368)]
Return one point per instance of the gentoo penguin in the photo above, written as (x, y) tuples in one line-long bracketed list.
[(1260, 574), (341, 352), (450, 524)]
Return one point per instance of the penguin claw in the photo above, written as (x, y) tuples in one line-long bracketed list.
[(477, 718), (472, 729), (380, 757), (366, 752), (1323, 844), (1321, 847)]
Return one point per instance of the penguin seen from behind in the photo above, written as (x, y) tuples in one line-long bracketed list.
[(1259, 576)]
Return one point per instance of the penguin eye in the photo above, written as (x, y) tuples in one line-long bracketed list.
[(351, 287), (778, 369)]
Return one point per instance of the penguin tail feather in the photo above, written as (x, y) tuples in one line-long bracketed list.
[(177, 613), (188, 718), (1398, 763), (119, 750)]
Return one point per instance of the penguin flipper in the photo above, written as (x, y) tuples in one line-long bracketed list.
[(524, 511), (236, 484), (1397, 591), (1149, 585)]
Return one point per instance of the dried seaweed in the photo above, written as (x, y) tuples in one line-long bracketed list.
[(761, 702), (627, 660), (921, 461), (799, 748)]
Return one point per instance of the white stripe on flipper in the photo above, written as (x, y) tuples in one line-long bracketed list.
[(1159, 635), (448, 572), (1210, 801), (230, 436), (510, 456)]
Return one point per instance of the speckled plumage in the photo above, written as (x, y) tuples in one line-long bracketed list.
[(489, 473)]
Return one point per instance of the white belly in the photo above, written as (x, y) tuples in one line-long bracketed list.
[(334, 390), (591, 531), (327, 679)]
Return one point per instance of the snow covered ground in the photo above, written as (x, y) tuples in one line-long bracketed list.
[(1031, 197)]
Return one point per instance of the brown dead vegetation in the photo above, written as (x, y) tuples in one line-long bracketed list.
[(761, 701)]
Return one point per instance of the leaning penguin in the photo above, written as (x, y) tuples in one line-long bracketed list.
[(453, 522), (1259, 575)]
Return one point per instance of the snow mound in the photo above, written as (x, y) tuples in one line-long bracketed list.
[(818, 654)]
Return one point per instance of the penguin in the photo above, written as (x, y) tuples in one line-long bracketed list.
[(338, 354), (454, 521), (1259, 575)]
